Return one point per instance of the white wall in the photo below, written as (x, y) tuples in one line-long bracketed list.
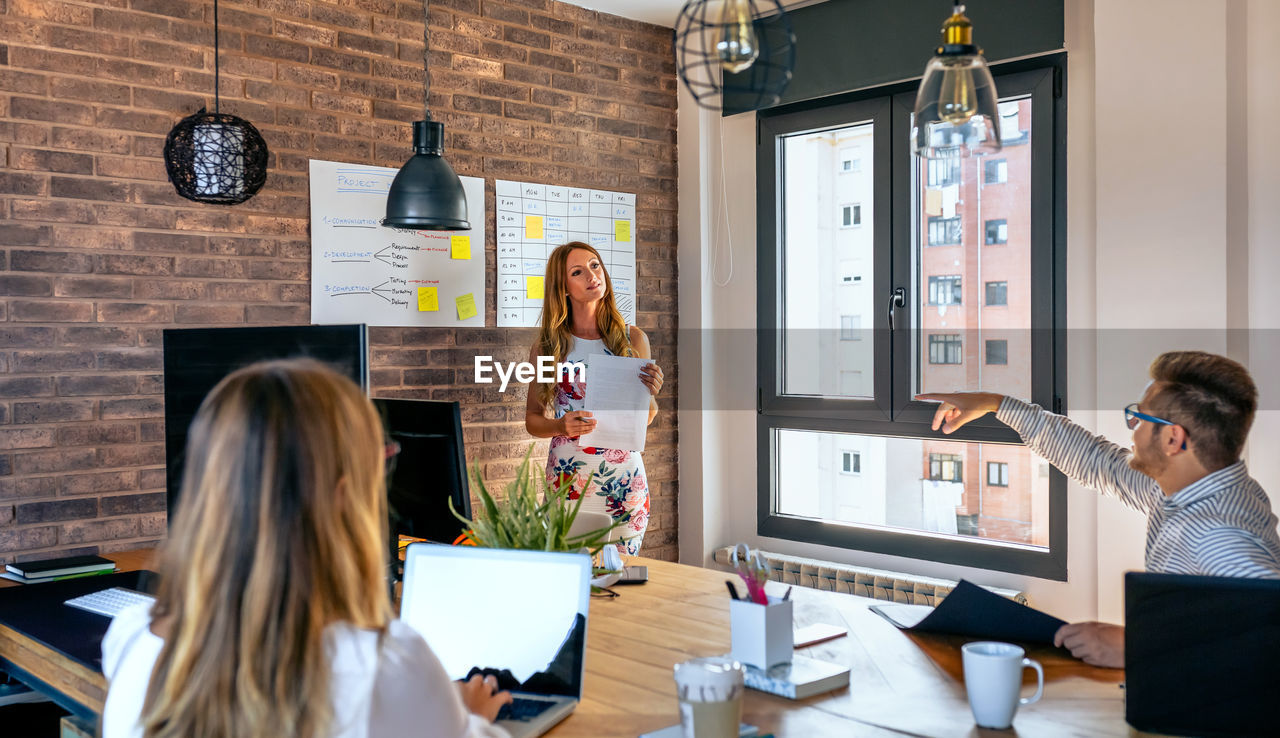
[(1157, 192)]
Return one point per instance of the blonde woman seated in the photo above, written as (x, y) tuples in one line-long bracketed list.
[(272, 617)]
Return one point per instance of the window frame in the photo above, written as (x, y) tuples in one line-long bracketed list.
[(987, 167), (893, 412), (986, 293), (855, 467), (986, 231), (946, 344), (1002, 473), (855, 215), (935, 288), (986, 351), (959, 239)]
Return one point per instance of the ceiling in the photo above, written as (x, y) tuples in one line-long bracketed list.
[(662, 12), (659, 12)]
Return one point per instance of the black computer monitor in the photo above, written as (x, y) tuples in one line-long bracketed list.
[(429, 472), (196, 359)]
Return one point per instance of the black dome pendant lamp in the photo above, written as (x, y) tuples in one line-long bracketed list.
[(426, 193)]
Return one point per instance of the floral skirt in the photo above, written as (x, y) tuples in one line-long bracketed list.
[(608, 480)]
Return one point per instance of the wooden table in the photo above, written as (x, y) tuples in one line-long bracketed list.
[(900, 684)]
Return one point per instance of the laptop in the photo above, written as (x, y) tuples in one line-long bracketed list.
[(1201, 654), (518, 615)]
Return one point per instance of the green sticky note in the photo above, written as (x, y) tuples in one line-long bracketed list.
[(622, 230), (428, 300), (460, 247), (533, 287), (533, 226), (466, 306)]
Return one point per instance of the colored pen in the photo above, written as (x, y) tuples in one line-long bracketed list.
[(787, 596), (733, 592)]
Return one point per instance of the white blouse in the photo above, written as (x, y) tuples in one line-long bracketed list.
[(398, 690)]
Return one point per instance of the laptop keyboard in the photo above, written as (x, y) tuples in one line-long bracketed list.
[(110, 602), (524, 710)]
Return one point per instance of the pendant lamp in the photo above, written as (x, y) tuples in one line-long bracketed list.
[(213, 157), (956, 111), (426, 193), (742, 50)]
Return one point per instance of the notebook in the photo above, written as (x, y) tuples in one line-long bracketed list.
[(970, 610), (518, 615), (1201, 653)]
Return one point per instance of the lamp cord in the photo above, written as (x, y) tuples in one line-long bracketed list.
[(217, 80), (426, 54)]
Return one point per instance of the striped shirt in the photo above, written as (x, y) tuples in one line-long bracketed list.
[(1219, 525)]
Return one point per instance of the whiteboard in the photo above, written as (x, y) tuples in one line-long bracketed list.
[(532, 219), (362, 272)]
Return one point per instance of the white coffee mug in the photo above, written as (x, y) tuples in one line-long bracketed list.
[(993, 679)]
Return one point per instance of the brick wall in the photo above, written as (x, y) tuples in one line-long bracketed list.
[(98, 254)]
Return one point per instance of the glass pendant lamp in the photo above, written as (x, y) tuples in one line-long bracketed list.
[(956, 111)]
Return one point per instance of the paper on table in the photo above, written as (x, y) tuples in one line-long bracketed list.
[(618, 401)]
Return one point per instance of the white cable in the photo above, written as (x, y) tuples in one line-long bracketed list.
[(723, 210)]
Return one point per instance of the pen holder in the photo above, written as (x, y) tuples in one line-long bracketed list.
[(761, 633)]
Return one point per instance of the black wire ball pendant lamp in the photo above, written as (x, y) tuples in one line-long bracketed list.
[(736, 54), (214, 157), (426, 193)]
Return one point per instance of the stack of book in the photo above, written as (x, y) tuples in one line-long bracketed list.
[(50, 570)]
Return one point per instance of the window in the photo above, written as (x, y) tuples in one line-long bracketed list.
[(944, 290), (995, 171), (851, 164), (944, 231), (946, 467), (998, 352), (997, 232), (850, 327), (997, 474), (820, 396), (850, 462), (850, 271), (943, 172), (850, 215), (997, 293), (945, 348)]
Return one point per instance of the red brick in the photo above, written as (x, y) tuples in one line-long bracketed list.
[(97, 530), (96, 336), (53, 411), (13, 183), (96, 384), (13, 285), (19, 438), (28, 539), (129, 359), (134, 312)]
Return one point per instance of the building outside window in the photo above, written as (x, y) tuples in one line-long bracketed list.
[(997, 474), (945, 348), (850, 215), (997, 293), (997, 232), (944, 290), (945, 231), (849, 163), (850, 462), (998, 352), (946, 467), (995, 171)]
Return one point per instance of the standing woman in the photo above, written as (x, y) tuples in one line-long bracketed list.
[(580, 318), (272, 617)]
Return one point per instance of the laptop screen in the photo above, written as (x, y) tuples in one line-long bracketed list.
[(520, 615)]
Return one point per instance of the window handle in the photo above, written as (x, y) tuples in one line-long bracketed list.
[(896, 300)]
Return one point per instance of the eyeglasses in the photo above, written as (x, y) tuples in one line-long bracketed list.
[(1132, 417)]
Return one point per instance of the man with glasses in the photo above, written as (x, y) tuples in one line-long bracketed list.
[(1205, 514)]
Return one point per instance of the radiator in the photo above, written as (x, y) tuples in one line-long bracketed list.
[(893, 586)]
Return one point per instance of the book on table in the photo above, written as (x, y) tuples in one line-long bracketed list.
[(803, 677), (61, 567)]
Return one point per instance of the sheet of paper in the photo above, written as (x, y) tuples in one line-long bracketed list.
[(618, 401)]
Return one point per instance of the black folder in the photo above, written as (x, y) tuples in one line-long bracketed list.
[(970, 610)]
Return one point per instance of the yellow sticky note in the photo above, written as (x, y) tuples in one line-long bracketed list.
[(466, 306), (428, 300), (622, 230), (533, 226), (533, 287), (460, 247)]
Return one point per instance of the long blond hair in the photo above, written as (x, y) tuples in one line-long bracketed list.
[(554, 336), (280, 533)]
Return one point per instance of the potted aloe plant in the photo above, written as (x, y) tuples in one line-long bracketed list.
[(535, 515)]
